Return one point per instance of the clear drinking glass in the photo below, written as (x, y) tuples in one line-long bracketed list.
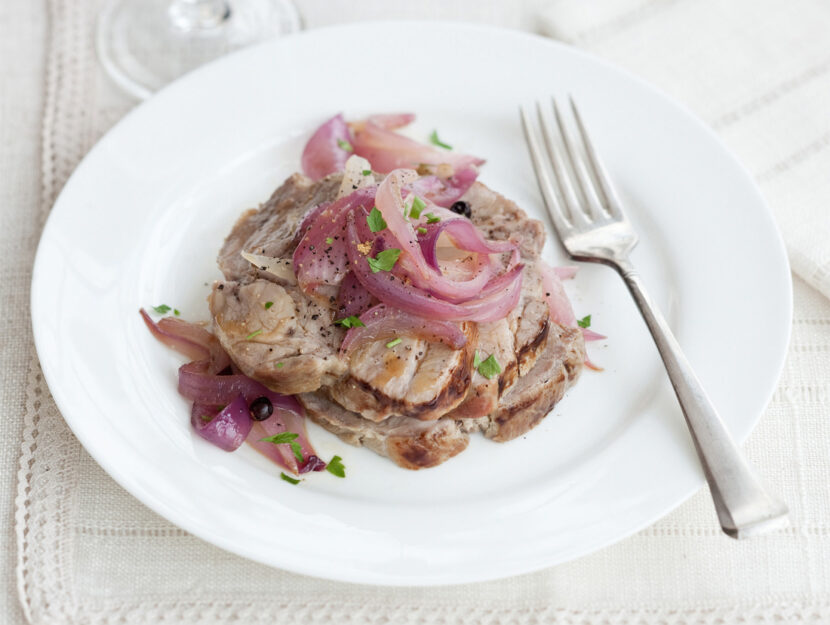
[(144, 44)]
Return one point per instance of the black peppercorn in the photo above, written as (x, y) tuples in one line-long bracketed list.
[(261, 408), (462, 208)]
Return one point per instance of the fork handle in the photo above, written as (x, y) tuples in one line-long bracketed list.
[(744, 508)]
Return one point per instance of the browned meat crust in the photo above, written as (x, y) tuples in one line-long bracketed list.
[(410, 443)]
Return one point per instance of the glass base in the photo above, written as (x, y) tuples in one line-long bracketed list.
[(145, 44)]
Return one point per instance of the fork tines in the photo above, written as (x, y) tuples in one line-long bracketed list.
[(569, 164)]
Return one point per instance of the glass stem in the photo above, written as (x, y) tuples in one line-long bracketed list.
[(194, 15)]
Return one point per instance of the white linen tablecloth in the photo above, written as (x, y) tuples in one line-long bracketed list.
[(81, 550)]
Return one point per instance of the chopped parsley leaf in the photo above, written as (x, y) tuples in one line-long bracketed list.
[(162, 309), (253, 334), (329, 240), (350, 322), (393, 342), (282, 438), (490, 367), (280, 365), (268, 305), (345, 145), (176, 312), (335, 467), (298, 451), (289, 479), (476, 360), (433, 138), (366, 172), (385, 260), (417, 206), (206, 418), (375, 220), (585, 322), (432, 219), (422, 230)]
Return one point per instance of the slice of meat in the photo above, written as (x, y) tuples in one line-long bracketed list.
[(535, 393), (290, 346), (413, 378), (410, 443), (500, 219), (497, 339), (270, 229), (515, 342)]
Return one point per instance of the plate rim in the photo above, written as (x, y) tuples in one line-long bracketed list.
[(111, 467)]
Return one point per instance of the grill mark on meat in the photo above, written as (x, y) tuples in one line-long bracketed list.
[(434, 378), (535, 394), (527, 352), (410, 443)]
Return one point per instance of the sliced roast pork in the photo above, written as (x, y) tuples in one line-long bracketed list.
[(415, 401)]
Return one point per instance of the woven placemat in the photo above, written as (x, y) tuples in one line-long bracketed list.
[(90, 553)]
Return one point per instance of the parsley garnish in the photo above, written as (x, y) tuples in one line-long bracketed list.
[(286, 438), (350, 322), (422, 230), (585, 322), (162, 309), (253, 334), (289, 479), (268, 305), (432, 219), (375, 220), (367, 172), (335, 467), (176, 312), (385, 260), (345, 145), (283, 438), (433, 138), (476, 360), (280, 365), (206, 418), (490, 367), (393, 342), (417, 206), (329, 240)]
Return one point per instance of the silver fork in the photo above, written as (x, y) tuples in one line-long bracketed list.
[(595, 229)]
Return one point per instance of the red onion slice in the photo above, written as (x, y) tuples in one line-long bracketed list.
[(186, 346), (497, 299), (353, 298), (316, 260), (558, 303), (465, 236), (285, 421), (197, 384), (189, 339), (389, 202), (325, 153), (226, 429), (388, 150), (565, 273), (391, 121), (589, 335), (383, 321), (445, 191)]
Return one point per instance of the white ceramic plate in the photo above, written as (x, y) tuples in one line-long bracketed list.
[(142, 218)]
